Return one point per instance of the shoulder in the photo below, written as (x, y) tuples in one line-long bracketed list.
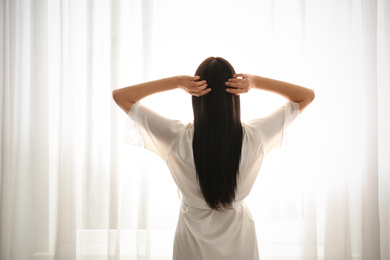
[(187, 132), (250, 129)]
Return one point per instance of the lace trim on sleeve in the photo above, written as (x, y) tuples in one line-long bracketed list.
[(290, 133), (132, 132), (292, 112)]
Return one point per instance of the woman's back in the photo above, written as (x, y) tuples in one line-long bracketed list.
[(215, 160), (204, 233)]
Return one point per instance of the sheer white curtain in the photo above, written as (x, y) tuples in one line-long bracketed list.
[(70, 188)]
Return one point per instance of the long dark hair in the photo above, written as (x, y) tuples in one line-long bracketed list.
[(217, 135)]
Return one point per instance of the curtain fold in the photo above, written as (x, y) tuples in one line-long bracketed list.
[(370, 197), (70, 188), (383, 83)]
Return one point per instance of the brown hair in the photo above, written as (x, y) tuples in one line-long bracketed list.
[(217, 135)]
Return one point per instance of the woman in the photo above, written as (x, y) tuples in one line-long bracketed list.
[(214, 160)]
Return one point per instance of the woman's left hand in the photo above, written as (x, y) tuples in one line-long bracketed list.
[(192, 86), (240, 83)]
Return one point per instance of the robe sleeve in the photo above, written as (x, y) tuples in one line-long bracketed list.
[(148, 129), (271, 129)]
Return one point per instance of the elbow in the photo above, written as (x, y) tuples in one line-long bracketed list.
[(307, 100), (115, 95), (120, 100), (312, 95)]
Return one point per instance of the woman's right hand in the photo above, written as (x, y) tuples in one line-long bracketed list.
[(192, 86), (240, 83)]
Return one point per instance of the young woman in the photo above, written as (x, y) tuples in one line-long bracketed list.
[(215, 159)]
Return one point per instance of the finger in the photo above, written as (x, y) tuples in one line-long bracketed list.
[(199, 92), (202, 87), (199, 83), (242, 75), (235, 80), (196, 90), (204, 92), (235, 91), (234, 85), (195, 78)]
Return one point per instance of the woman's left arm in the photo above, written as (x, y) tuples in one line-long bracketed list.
[(126, 97)]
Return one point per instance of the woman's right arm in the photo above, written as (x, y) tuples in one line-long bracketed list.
[(126, 97), (242, 83)]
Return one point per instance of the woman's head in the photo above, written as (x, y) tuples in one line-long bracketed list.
[(218, 64), (216, 71), (217, 135)]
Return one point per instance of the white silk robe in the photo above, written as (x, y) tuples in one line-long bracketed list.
[(203, 233)]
